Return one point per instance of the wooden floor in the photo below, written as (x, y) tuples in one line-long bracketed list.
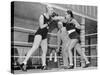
[(53, 70)]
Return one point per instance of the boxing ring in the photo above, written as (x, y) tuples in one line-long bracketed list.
[(75, 57)]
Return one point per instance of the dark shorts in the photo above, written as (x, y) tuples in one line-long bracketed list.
[(74, 35), (43, 32)]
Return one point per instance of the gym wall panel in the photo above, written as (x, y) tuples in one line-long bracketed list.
[(90, 26), (28, 10), (25, 23), (19, 36)]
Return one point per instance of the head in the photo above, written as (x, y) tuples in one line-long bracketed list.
[(69, 14), (60, 24), (49, 10)]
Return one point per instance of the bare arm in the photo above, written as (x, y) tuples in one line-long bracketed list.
[(77, 25), (41, 22), (58, 18), (58, 40)]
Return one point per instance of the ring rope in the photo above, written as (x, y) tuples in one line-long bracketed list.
[(52, 56), (28, 30), (50, 45), (33, 31)]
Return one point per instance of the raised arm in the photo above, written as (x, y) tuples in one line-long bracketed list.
[(41, 22), (58, 18)]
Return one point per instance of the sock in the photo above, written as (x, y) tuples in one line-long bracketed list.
[(87, 62), (50, 57), (55, 58), (71, 64), (24, 63)]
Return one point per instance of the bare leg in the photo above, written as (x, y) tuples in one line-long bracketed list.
[(50, 56), (79, 50), (44, 49), (70, 47), (36, 44), (55, 57), (65, 54)]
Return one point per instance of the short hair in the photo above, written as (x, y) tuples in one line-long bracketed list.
[(71, 13), (48, 8)]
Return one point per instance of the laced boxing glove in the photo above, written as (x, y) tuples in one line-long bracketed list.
[(54, 14), (52, 22)]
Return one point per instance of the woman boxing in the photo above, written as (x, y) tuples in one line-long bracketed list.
[(40, 39), (71, 26)]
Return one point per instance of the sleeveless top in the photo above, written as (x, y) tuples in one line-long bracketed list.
[(46, 21), (43, 31), (69, 26)]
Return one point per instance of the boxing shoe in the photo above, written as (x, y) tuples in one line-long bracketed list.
[(23, 67)]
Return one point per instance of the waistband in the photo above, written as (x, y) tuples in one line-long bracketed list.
[(70, 31)]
